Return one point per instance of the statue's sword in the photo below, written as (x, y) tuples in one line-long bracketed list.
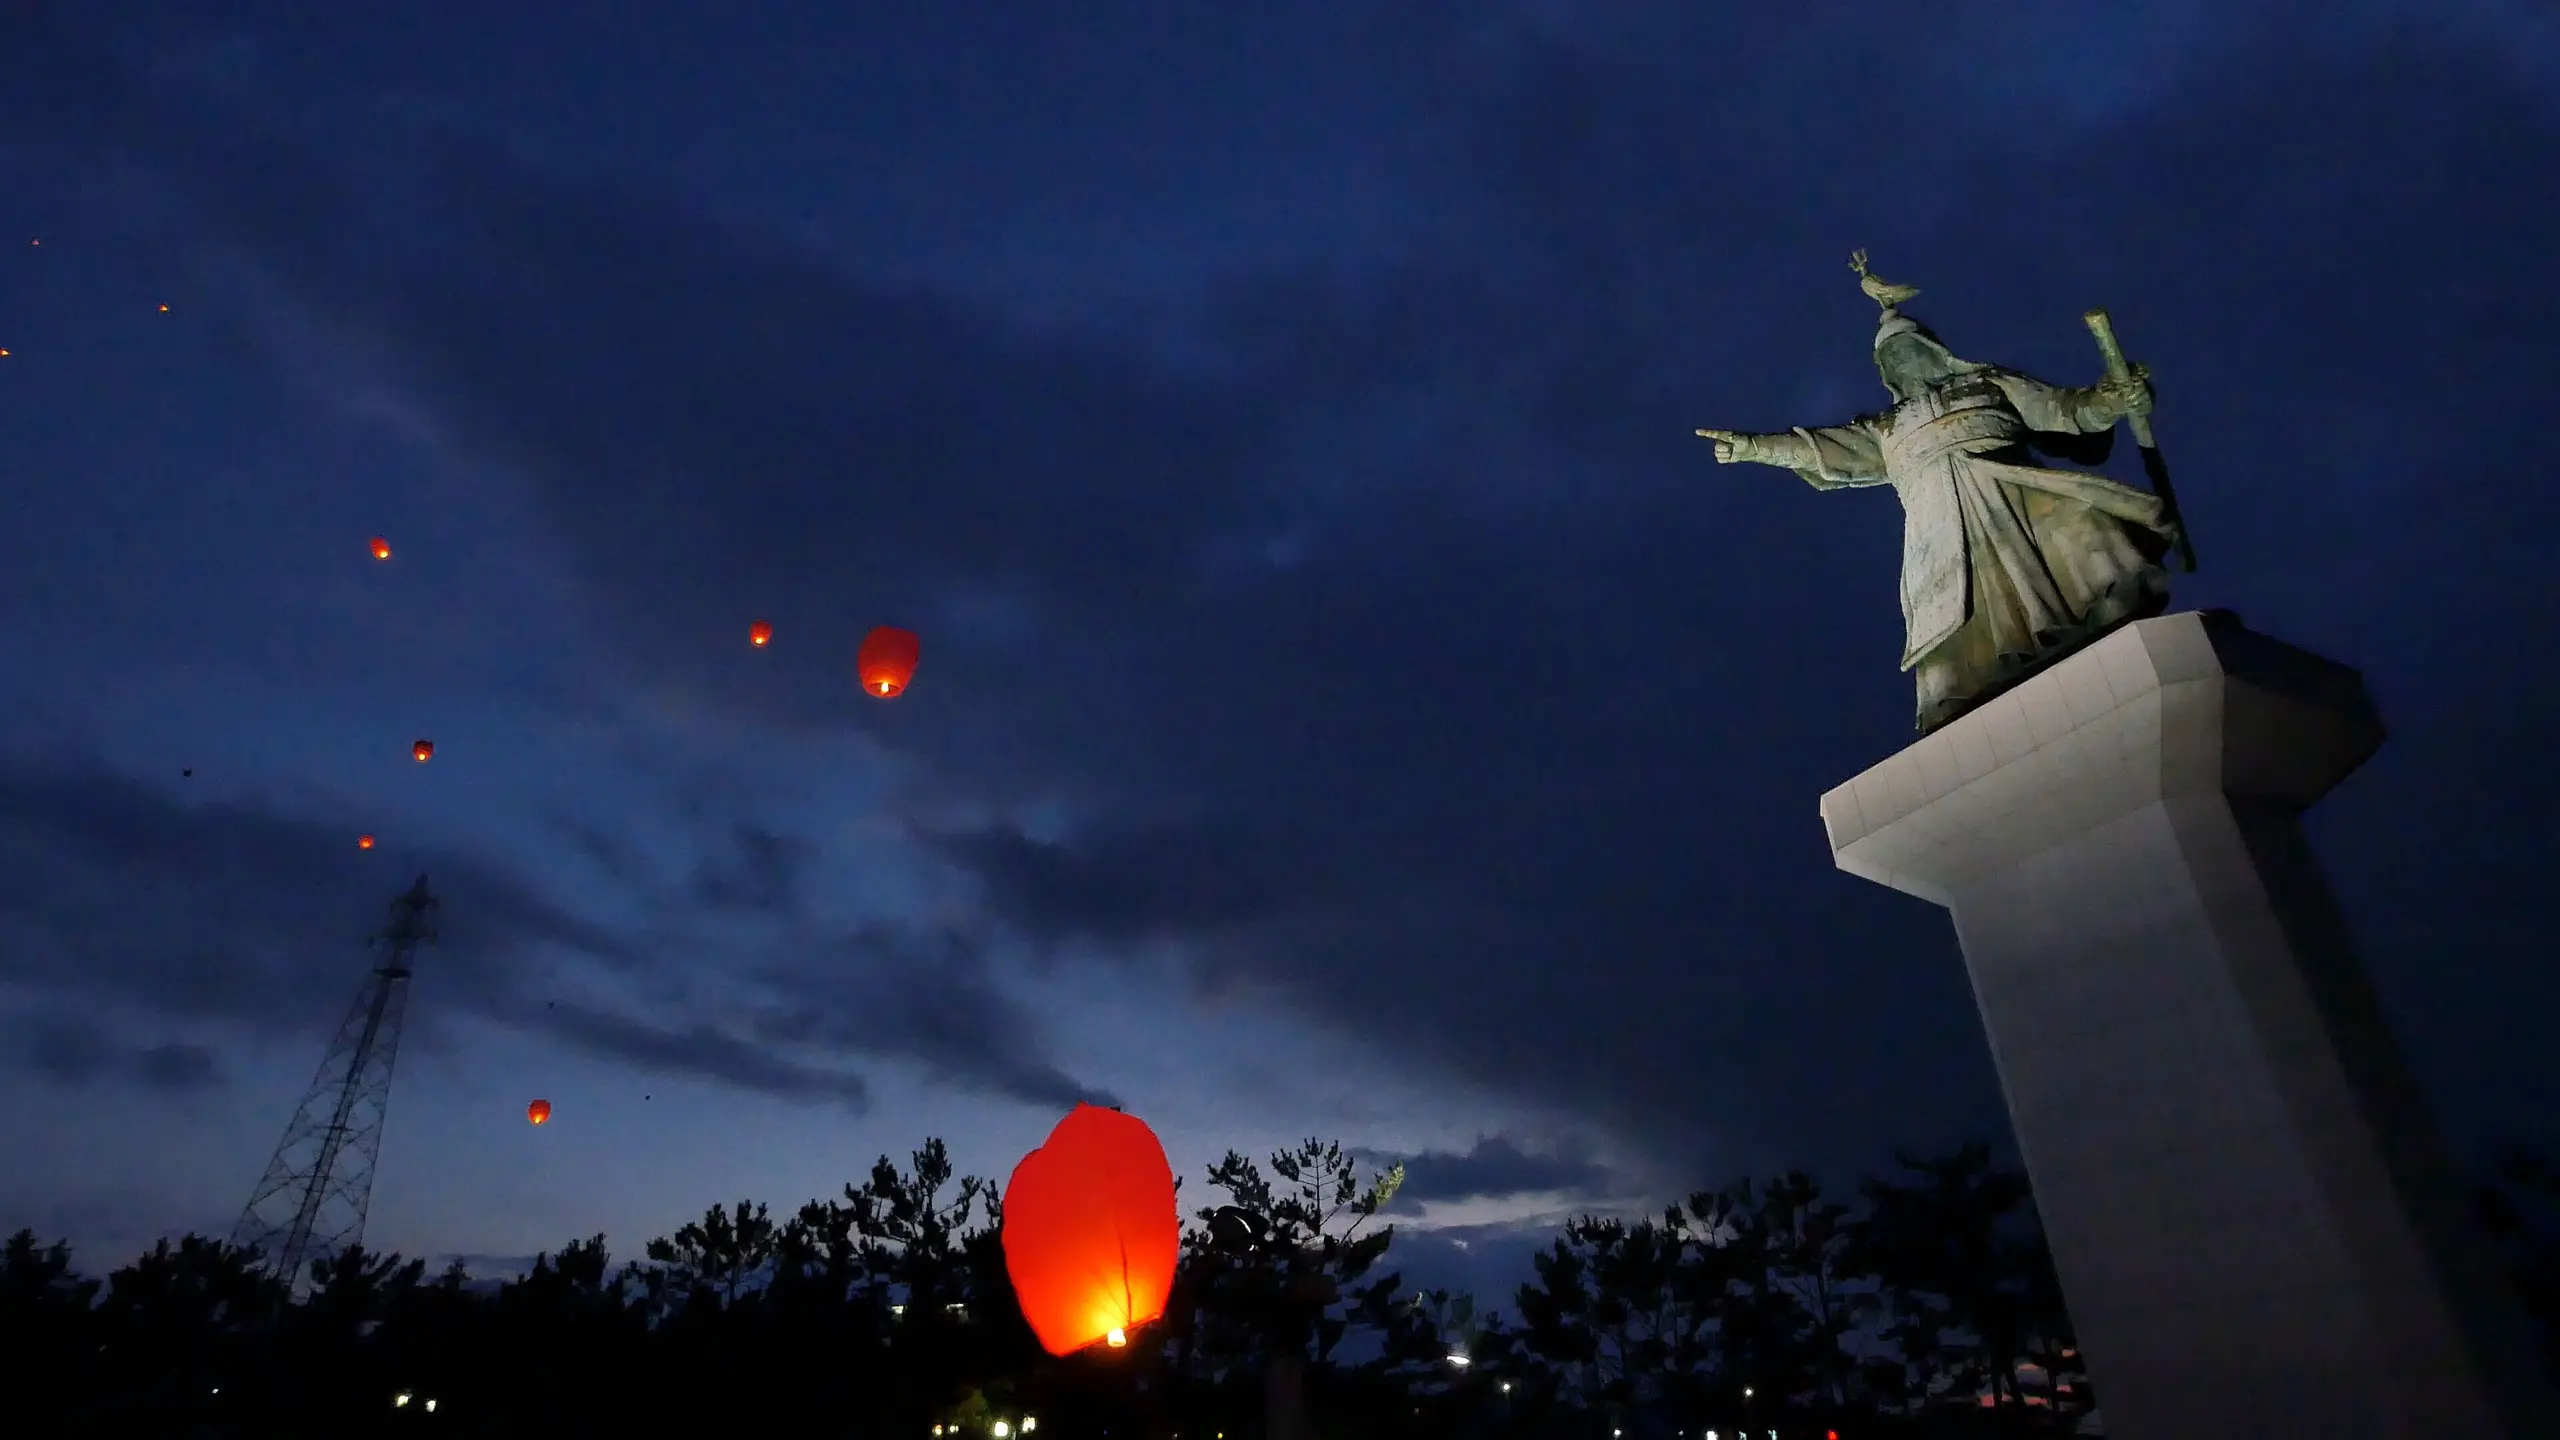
[(2154, 468)]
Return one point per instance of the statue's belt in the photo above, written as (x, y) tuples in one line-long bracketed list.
[(1975, 429)]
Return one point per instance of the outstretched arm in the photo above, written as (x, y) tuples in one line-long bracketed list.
[(1831, 457)]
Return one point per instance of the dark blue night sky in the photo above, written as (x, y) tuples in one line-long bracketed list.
[(1352, 701)]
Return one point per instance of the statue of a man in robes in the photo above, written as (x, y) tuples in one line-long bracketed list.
[(2006, 563)]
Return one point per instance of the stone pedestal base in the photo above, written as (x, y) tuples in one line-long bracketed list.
[(2257, 1229)]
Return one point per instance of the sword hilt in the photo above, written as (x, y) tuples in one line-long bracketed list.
[(2104, 330)]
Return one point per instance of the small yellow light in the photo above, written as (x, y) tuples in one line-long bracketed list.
[(1116, 1338)]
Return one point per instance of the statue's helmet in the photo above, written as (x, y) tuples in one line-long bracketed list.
[(1916, 357), (1916, 354)]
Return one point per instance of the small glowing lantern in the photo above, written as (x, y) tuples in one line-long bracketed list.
[(364, 842), (1091, 1232), (887, 660), (538, 1111), (760, 634), (381, 548), (424, 750)]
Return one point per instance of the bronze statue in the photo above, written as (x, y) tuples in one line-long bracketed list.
[(2007, 563)]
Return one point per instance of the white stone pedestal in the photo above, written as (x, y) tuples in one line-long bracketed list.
[(2257, 1228)]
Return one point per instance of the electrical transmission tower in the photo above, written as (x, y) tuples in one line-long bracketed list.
[(311, 1203)]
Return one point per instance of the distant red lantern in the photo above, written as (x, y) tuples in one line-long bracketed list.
[(538, 1111), (364, 842), (760, 634), (425, 750), (381, 548), (1091, 1232), (887, 660)]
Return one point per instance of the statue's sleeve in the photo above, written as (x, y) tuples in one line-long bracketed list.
[(2054, 410), (1828, 457)]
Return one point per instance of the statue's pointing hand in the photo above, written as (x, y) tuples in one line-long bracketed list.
[(1728, 445)]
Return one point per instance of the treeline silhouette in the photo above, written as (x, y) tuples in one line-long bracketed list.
[(1925, 1304)]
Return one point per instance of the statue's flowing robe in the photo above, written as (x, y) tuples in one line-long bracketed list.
[(2003, 560)]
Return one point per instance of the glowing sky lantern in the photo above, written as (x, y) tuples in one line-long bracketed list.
[(887, 660), (364, 842), (381, 548), (424, 750), (1091, 1232), (760, 634), (538, 1111)]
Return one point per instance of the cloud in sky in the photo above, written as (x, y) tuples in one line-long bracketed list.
[(1494, 1168), (256, 913), (78, 1051)]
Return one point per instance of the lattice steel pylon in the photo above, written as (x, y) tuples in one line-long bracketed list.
[(311, 1203)]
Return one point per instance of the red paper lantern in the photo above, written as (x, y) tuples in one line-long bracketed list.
[(538, 1111), (381, 548), (424, 750), (760, 634), (364, 842), (1091, 1232), (887, 660)]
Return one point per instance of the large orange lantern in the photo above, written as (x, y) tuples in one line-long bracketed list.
[(538, 1111), (760, 634), (887, 660), (381, 548), (1091, 1232), (424, 750)]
